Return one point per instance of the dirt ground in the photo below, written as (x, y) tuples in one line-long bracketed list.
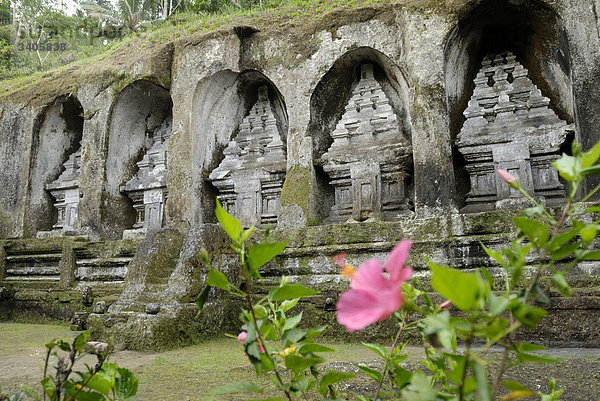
[(189, 373)]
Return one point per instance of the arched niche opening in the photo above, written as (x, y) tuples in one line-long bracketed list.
[(140, 127), (54, 168), (239, 128), (498, 42), (361, 132)]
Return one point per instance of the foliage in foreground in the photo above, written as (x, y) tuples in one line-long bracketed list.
[(105, 381), (489, 314)]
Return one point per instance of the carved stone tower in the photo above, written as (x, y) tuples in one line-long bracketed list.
[(65, 189), (148, 188), (369, 158), (509, 126), (251, 176)]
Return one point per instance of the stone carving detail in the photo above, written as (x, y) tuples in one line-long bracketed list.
[(510, 126), (148, 187), (65, 189), (251, 176), (369, 158)]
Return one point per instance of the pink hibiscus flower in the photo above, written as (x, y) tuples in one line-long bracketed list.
[(372, 296), (242, 339)]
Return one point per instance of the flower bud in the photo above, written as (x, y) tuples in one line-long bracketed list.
[(507, 178)]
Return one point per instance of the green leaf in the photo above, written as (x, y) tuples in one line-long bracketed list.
[(201, 299), (525, 357), (488, 277), (82, 395), (126, 384), (246, 233), (299, 363), (482, 391), (98, 383), (588, 233), (565, 250), (18, 396), (290, 291), (109, 370), (289, 304), (30, 392), (590, 157), (377, 349), (217, 279), (568, 167), (294, 336), (559, 280), (292, 322), (260, 312), (332, 377), (462, 289), (401, 376), (494, 254), (594, 170), (312, 348), (528, 347), (81, 340), (259, 254), (314, 332), (230, 224), (535, 231), (372, 373), (528, 315), (234, 388), (513, 385), (497, 304), (517, 395), (591, 255), (565, 237), (48, 386), (457, 368)]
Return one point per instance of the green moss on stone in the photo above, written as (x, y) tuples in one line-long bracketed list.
[(296, 189)]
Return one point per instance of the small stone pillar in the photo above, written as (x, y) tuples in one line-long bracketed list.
[(67, 265)]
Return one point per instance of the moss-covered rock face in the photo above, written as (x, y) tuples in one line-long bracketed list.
[(294, 209)]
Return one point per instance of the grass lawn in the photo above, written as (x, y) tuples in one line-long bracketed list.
[(189, 373)]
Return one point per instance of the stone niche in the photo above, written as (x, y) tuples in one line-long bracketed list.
[(509, 126), (370, 158), (250, 177), (56, 170), (136, 165), (65, 190), (148, 187)]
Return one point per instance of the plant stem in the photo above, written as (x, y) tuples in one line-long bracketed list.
[(530, 198), (260, 339), (461, 394), (385, 369), (585, 198)]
